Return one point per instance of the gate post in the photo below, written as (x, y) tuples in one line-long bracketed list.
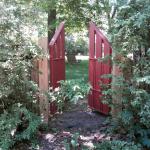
[(43, 81)]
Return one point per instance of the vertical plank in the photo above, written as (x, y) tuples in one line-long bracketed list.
[(43, 81), (51, 64), (63, 42), (106, 71), (63, 54), (58, 47), (61, 46), (43, 85), (91, 62)]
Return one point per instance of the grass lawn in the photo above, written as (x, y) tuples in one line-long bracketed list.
[(77, 71)]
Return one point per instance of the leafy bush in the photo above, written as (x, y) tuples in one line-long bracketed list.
[(17, 125), (117, 145), (131, 37), (18, 94), (70, 47), (70, 90), (76, 46)]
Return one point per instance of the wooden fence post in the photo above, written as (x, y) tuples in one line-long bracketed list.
[(43, 81)]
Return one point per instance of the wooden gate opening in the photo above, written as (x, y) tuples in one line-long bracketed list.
[(99, 48)]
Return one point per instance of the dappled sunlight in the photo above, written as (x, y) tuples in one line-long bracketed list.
[(49, 137), (75, 75), (76, 119)]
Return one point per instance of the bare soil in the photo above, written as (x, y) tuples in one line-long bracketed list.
[(77, 118)]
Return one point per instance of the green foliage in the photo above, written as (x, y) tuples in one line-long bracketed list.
[(131, 28), (74, 140), (74, 13), (117, 145), (18, 94), (82, 45), (134, 100), (77, 14), (76, 46), (74, 144), (70, 47), (17, 125), (17, 51), (130, 36), (70, 90)]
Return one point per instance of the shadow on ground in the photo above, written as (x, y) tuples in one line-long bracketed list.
[(77, 118)]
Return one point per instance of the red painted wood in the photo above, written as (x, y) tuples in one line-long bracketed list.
[(57, 60), (99, 47)]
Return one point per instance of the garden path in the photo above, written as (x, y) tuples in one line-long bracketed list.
[(77, 118)]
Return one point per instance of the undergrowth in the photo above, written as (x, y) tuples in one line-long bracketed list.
[(69, 91)]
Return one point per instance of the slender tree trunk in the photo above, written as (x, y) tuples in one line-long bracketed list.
[(51, 22)]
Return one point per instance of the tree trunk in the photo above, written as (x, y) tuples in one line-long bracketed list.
[(51, 27)]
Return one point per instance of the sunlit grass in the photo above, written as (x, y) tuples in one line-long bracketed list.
[(77, 71)]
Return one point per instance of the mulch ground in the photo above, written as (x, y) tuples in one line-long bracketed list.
[(77, 118)]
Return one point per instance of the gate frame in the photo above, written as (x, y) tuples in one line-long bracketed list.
[(99, 47), (57, 61)]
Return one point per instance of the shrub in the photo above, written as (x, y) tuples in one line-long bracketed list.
[(17, 125), (69, 90), (131, 36), (18, 94), (76, 46), (117, 145)]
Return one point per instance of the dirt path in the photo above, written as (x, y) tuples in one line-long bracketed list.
[(76, 119)]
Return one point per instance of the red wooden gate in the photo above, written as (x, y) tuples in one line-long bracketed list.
[(57, 60), (99, 47)]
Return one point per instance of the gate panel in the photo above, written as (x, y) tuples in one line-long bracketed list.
[(99, 48), (57, 60)]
